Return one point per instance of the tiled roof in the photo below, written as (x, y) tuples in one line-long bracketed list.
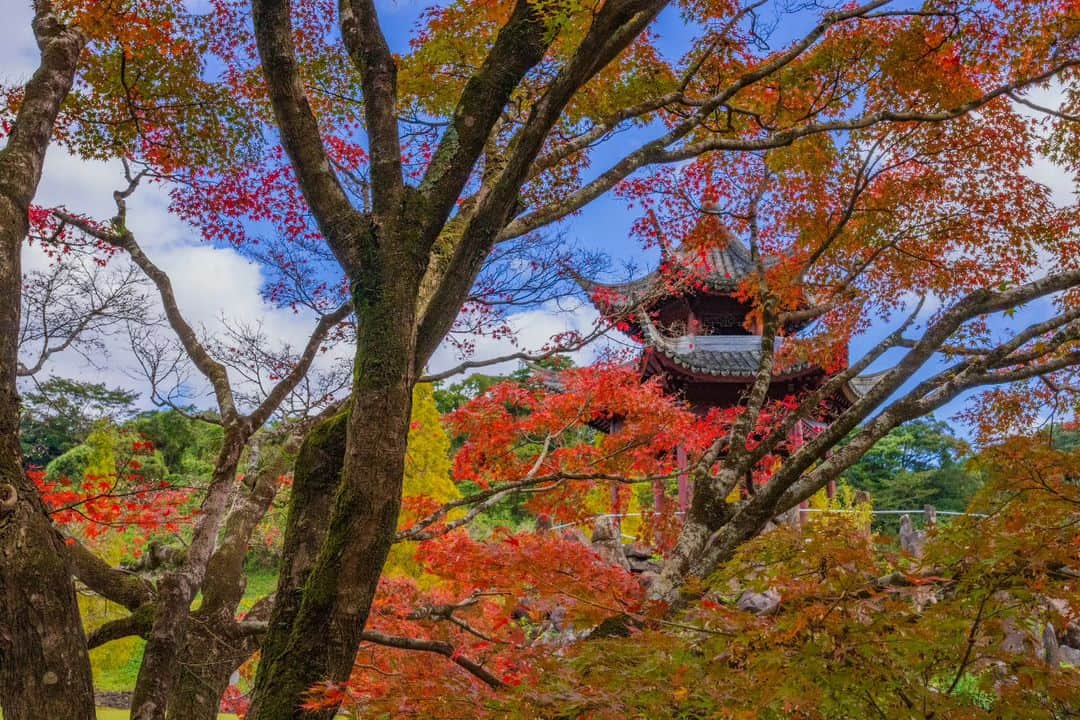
[(860, 385), (722, 269), (715, 355)]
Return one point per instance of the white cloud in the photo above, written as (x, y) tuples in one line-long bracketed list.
[(18, 50), (210, 282), (532, 330), (1060, 182)]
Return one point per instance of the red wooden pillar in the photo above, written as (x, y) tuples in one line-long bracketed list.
[(616, 509), (684, 480), (796, 441), (658, 496)]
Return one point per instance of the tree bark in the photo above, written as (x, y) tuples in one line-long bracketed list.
[(318, 471), (44, 667), (322, 640), (385, 254), (214, 651), (175, 593), (214, 648)]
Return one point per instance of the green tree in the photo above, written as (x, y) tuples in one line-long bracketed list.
[(60, 413), (427, 474), (187, 446), (104, 453), (920, 462), (450, 397)]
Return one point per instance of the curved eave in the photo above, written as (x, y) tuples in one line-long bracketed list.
[(728, 370), (859, 386), (614, 299)]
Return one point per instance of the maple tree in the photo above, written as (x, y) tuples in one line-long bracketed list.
[(879, 155), (408, 279), (861, 629), (211, 565)]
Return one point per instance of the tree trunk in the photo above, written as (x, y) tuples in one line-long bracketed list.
[(214, 646), (323, 639), (210, 657), (44, 667), (203, 673), (317, 473), (175, 593), (706, 515)]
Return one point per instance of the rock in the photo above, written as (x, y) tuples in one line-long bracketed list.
[(605, 531), (607, 543), (1072, 634), (115, 700), (791, 517), (638, 552), (765, 603), (1069, 655), (1016, 640), (648, 578), (643, 566), (911, 540), (557, 617), (575, 535), (1051, 650)]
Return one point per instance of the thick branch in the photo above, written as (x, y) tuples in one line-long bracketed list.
[(519, 46), (23, 156), (371, 55), (613, 29), (338, 220), (120, 587), (136, 624), (434, 646)]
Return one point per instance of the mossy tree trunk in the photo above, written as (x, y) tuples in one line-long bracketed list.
[(318, 471), (317, 637), (216, 645), (44, 667)]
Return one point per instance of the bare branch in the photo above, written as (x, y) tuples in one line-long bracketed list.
[(574, 346), (71, 305), (300, 370)]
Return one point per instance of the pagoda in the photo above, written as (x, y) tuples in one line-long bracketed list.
[(697, 339)]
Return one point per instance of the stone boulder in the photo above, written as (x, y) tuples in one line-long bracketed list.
[(760, 604)]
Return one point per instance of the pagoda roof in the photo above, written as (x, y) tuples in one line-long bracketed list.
[(720, 269), (861, 385), (736, 357)]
